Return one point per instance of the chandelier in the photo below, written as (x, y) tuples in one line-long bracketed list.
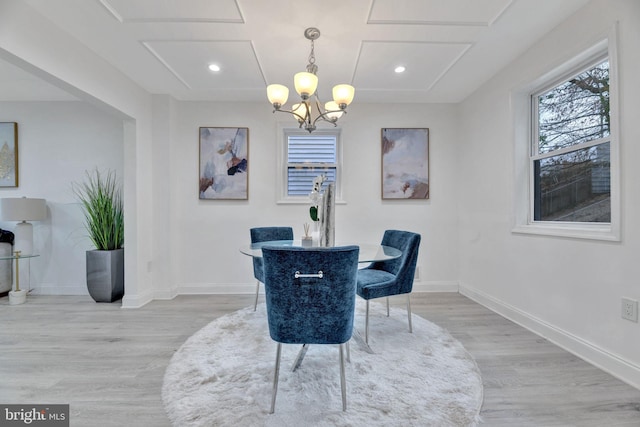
[(309, 110)]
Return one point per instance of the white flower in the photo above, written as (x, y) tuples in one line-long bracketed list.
[(317, 181), (315, 196)]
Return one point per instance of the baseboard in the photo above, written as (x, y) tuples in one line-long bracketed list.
[(165, 294), (435, 286), (136, 301), (58, 289), (597, 356), (217, 288), (250, 288), (211, 289), (67, 290)]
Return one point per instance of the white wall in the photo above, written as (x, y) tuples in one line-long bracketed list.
[(57, 143), (206, 234), (32, 42), (197, 248), (568, 290)]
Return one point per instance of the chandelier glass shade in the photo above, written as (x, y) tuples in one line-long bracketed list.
[(310, 110)]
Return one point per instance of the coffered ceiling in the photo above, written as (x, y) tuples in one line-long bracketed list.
[(449, 47)]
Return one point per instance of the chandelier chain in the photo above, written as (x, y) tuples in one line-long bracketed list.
[(312, 67), (312, 54)]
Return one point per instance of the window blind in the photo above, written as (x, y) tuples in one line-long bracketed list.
[(308, 157)]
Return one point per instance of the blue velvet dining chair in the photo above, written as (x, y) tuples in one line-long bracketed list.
[(310, 295), (392, 277), (266, 234)]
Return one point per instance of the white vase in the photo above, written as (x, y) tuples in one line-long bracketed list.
[(327, 217), (315, 234)]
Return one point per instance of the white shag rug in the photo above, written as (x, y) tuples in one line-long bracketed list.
[(223, 376)]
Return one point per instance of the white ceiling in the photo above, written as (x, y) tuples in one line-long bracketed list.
[(449, 47)]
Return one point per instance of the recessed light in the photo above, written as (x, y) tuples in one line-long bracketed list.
[(400, 69), (214, 67)]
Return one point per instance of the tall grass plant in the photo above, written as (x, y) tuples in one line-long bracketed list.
[(101, 197)]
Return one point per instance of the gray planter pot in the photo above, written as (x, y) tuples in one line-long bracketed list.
[(105, 275)]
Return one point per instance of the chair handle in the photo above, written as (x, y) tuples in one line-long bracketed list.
[(319, 275)]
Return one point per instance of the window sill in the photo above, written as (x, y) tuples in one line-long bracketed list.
[(573, 231)]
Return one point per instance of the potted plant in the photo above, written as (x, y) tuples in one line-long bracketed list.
[(101, 197)]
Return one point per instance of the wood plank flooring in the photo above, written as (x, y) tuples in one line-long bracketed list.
[(108, 363)]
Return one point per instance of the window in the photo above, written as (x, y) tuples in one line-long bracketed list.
[(305, 157), (566, 176), (571, 162)]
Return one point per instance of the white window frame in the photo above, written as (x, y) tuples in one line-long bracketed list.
[(524, 141), (283, 138)]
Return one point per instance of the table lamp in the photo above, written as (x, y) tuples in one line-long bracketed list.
[(23, 209)]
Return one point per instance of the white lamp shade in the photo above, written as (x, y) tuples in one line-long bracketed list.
[(300, 110), (277, 94), (336, 112), (23, 209), (305, 83), (343, 94)]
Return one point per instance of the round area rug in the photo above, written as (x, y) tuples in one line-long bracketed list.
[(223, 376)]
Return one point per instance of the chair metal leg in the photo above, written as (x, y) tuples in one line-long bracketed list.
[(275, 379), (348, 352), (255, 304), (300, 357), (409, 312), (366, 325), (360, 341), (343, 382), (387, 306)]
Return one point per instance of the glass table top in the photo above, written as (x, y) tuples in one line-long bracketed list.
[(369, 252), (14, 256)]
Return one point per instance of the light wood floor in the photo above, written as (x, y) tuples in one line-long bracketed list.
[(108, 363)]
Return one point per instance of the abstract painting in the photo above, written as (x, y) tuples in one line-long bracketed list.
[(223, 163), (405, 163), (8, 154)]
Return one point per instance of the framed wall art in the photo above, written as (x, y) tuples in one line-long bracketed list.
[(223, 163), (8, 154), (405, 163)]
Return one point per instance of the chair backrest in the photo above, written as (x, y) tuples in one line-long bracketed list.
[(404, 267), (267, 234), (310, 310)]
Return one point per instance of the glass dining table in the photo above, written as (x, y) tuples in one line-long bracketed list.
[(369, 252)]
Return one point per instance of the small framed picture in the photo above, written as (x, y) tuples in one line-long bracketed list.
[(224, 167), (405, 163), (8, 154)]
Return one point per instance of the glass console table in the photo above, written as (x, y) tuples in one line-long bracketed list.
[(17, 296)]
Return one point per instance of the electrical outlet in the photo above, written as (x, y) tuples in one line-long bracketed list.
[(630, 309)]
